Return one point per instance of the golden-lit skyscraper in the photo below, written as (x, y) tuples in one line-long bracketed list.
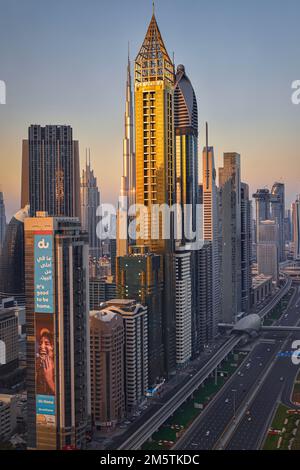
[(155, 165), (154, 91)]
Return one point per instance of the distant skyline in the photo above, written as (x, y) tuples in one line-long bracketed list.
[(66, 64)]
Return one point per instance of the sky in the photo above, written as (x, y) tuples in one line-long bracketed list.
[(64, 62)]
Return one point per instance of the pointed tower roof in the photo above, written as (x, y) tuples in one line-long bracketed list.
[(153, 62)]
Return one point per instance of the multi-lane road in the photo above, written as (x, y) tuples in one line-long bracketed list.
[(239, 415)]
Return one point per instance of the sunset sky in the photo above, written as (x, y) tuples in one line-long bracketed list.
[(64, 62)]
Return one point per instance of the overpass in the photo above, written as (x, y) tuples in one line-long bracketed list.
[(293, 272), (279, 295), (150, 426)]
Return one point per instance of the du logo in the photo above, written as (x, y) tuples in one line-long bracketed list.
[(296, 353), (2, 92), (43, 245)]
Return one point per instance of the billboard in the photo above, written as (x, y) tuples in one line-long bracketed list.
[(45, 355), (45, 410), (45, 370), (43, 273)]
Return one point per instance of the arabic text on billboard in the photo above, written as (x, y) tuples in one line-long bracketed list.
[(43, 273)]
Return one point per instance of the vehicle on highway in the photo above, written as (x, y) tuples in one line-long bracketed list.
[(207, 433), (227, 400)]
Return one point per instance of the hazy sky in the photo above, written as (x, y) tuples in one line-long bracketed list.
[(64, 62)]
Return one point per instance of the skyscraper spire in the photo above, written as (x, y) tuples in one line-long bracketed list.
[(153, 62), (127, 194)]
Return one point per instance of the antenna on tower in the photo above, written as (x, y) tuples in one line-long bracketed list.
[(153, 8), (207, 165), (206, 130)]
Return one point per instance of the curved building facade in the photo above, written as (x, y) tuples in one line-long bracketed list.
[(186, 138)]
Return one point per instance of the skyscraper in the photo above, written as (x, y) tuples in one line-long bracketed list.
[(183, 297), (52, 181), (296, 228), (262, 207), (107, 368), (135, 321), (154, 120), (57, 323), (230, 214), (155, 163), (139, 276), (278, 214), (90, 200), (211, 225), (2, 221), (268, 249), (12, 275), (186, 161), (204, 328), (186, 143), (246, 247), (127, 195)]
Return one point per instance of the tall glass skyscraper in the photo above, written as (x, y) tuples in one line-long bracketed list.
[(278, 214), (230, 214), (50, 171), (90, 200), (186, 140), (186, 190), (246, 247)]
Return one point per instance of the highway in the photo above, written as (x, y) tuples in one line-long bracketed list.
[(250, 434), (153, 424), (259, 383)]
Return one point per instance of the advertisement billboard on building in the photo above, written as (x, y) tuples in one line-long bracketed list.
[(43, 273), (45, 370)]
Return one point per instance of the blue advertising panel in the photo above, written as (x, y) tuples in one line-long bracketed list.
[(45, 405), (43, 273)]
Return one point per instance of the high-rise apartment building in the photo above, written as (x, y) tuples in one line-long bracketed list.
[(139, 276), (57, 323), (268, 249), (90, 201), (50, 171), (135, 320), (230, 215), (204, 328), (2, 221), (107, 368), (8, 340), (101, 290), (246, 248), (183, 297), (278, 214)]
